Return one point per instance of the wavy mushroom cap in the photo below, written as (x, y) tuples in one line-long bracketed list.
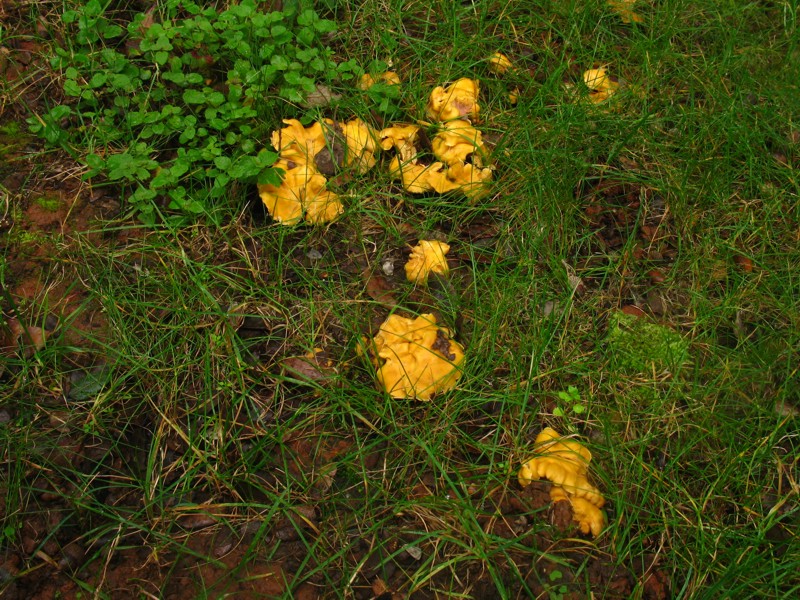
[(565, 463), (284, 202), (418, 357), (457, 141), (320, 205), (361, 145), (403, 138), (589, 517), (459, 100), (499, 63), (427, 257), (601, 85), (297, 143)]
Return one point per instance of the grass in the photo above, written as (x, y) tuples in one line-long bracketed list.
[(193, 432)]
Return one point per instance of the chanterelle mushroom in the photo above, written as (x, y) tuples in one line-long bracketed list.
[(297, 143), (499, 63), (459, 100), (565, 463), (427, 257), (601, 86), (302, 193), (285, 201), (362, 144), (416, 358), (454, 144), (388, 78), (458, 141)]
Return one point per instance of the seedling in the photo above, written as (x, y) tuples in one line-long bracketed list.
[(570, 403)]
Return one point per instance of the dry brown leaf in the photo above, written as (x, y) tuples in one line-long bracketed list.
[(379, 289)]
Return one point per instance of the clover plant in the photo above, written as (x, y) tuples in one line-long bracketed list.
[(172, 103)]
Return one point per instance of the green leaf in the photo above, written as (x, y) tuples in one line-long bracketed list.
[(194, 97)]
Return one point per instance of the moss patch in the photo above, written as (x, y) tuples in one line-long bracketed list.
[(637, 345), (49, 203)]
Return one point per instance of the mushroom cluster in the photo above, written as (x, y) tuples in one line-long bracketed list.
[(307, 155), (566, 464), (461, 158)]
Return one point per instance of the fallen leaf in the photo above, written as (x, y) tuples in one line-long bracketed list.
[(379, 289), (314, 367), (14, 335)]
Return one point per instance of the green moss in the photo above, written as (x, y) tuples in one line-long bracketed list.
[(48, 203), (637, 345)]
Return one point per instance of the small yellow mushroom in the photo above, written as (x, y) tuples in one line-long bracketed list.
[(499, 64), (459, 100), (601, 85), (565, 463), (367, 80), (427, 257), (624, 8), (416, 358)]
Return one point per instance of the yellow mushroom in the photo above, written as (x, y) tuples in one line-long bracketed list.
[(297, 143), (624, 8), (468, 179), (320, 205), (416, 358), (427, 257), (589, 517), (457, 141), (565, 463), (367, 80), (362, 145), (459, 100), (601, 85), (285, 201), (499, 63)]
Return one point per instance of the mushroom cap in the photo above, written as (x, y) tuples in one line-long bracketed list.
[(601, 86), (401, 137), (301, 191), (499, 63), (284, 202), (457, 141), (459, 100), (590, 518), (321, 205), (414, 177), (388, 77), (418, 357), (565, 463), (472, 181), (362, 144), (427, 257), (297, 143)]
